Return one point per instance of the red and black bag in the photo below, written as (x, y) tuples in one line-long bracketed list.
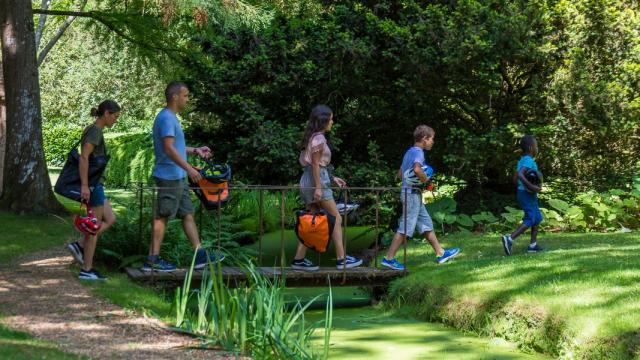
[(314, 229)]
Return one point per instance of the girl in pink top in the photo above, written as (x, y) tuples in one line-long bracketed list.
[(315, 185)]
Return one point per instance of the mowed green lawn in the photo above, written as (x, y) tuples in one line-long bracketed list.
[(23, 234), (581, 297), (16, 345)]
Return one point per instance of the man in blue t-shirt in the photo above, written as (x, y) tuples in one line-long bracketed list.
[(169, 172)]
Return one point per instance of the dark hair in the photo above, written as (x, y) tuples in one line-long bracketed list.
[(173, 88), (318, 120), (423, 131), (527, 142), (107, 105)]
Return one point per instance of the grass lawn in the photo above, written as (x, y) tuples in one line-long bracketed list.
[(579, 298), (17, 345), (133, 297), (22, 234)]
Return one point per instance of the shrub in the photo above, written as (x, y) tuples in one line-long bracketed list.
[(57, 140), (131, 159)]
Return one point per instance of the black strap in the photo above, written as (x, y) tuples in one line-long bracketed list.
[(341, 195)]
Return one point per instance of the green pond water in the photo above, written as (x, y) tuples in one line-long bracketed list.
[(361, 331)]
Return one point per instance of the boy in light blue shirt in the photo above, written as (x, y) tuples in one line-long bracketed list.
[(527, 194), (415, 215)]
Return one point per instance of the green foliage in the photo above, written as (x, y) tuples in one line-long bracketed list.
[(82, 70), (481, 73), (131, 160), (370, 173), (593, 101), (58, 140), (591, 211), (131, 154), (252, 319), (245, 209), (269, 151)]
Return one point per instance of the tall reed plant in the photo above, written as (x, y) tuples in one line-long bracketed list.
[(253, 318)]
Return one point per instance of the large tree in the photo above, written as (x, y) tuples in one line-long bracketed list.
[(26, 182), (3, 122), (27, 188)]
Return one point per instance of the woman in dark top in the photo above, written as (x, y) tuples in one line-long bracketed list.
[(92, 142)]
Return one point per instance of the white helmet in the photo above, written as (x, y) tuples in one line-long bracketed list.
[(412, 179)]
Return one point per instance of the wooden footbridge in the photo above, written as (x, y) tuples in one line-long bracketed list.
[(235, 276), (371, 276)]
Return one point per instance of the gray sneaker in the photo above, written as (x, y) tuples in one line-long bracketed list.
[(91, 275), (507, 243), (77, 252), (305, 265)]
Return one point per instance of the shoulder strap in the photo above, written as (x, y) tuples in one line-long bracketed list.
[(84, 132)]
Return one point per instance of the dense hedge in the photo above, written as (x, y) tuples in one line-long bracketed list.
[(482, 73), (58, 139)]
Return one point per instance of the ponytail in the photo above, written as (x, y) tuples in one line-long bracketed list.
[(107, 105)]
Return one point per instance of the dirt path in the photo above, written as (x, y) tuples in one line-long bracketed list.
[(39, 295)]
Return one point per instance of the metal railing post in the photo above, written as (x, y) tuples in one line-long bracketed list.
[(282, 261), (406, 236), (375, 248), (344, 237), (261, 225), (140, 214), (153, 218)]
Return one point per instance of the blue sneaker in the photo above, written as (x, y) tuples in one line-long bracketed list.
[(159, 265), (202, 260), (348, 262), (507, 243), (448, 254), (392, 264)]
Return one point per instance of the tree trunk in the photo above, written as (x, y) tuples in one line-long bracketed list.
[(3, 122), (27, 188)]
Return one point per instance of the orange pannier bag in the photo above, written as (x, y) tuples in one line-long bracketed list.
[(213, 188), (314, 229)]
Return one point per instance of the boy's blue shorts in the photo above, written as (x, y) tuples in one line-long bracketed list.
[(417, 217), (529, 204)]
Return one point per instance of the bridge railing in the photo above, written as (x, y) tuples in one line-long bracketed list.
[(143, 190)]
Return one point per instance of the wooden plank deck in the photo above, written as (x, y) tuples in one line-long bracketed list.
[(360, 276)]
